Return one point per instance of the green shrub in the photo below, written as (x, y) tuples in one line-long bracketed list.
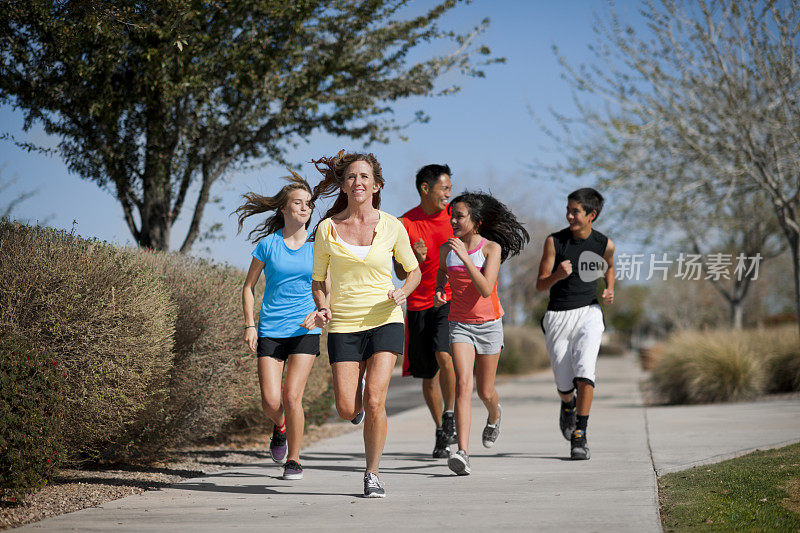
[(708, 367), (524, 351), (31, 396), (104, 317)]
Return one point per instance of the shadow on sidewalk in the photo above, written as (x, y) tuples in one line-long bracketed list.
[(258, 489)]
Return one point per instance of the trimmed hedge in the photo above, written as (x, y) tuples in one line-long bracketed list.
[(150, 346), (104, 317), (31, 396)]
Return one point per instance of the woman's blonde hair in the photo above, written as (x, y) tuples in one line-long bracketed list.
[(255, 204)]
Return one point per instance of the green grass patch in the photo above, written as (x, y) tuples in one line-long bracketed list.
[(757, 492)]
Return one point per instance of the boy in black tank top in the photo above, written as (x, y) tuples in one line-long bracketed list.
[(572, 261)]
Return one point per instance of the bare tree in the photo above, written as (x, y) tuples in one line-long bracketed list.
[(711, 86)]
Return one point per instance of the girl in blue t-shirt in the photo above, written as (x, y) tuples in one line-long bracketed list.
[(285, 334)]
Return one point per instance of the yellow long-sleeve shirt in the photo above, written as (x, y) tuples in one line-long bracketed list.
[(359, 288)]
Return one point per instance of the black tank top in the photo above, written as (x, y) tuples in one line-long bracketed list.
[(572, 292)]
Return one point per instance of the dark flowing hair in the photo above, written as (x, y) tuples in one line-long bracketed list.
[(494, 221), (255, 204), (333, 173)]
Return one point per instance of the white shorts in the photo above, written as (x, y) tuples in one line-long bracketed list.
[(573, 341)]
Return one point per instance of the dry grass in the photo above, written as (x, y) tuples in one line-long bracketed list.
[(524, 350), (726, 365)]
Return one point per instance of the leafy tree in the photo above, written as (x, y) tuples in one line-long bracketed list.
[(700, 109), (152, 97)]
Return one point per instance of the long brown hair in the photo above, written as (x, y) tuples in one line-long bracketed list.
[(333, 173), (255, 204)]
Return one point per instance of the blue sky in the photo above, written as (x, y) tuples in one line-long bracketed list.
[(485, 133)]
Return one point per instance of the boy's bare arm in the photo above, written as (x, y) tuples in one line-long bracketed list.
[(547, 278), (608, 292)]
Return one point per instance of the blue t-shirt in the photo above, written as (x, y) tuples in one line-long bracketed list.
[(287, 296)]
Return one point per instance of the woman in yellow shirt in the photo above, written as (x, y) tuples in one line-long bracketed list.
[(364, 322)]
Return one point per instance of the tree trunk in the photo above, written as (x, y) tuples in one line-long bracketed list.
[(156, 208), (155, 232), (794, 246), (737, 314)]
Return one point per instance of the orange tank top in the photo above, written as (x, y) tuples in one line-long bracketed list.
[(467, 305)]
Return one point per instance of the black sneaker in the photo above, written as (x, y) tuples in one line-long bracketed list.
[(567, 419), (277, 446), (441, 450), (579, 450), (459, 463), (372, 486), (292, 470), (449, 427), (358, 418)]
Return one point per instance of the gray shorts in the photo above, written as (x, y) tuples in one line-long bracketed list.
[(487, 337)]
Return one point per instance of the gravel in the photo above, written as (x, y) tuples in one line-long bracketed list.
[(78, 488)]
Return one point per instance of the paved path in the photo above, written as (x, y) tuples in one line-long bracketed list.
[(525, 483)]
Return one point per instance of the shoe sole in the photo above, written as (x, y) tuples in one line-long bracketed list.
[(292, 476), (375, 495), (458, 466)]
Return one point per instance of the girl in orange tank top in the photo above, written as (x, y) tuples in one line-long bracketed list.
[(485, 233)]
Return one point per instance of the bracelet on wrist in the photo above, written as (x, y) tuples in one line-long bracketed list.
[(322, 309), (248, 327), (440, 288)]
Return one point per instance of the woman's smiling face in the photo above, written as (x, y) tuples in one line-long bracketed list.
[(359, 182)]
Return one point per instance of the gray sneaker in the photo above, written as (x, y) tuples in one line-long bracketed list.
[(372, 486), (492, 431), (459, 463), (579, 449)]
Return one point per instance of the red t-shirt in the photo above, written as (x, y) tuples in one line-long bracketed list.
[(434, 230)]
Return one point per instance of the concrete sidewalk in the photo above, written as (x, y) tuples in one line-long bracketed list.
[(525, 482)]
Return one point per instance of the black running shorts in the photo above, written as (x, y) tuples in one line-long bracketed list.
[(360, 345), (282, 348), (428, 332)]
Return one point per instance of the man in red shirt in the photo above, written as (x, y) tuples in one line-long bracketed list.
[(427, 347)]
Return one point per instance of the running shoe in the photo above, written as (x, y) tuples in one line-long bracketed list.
[(567, 419), (372, 486), (277, 446), (579, 450), (292, 470), (449, 427), (459, 463), (492, 431), (441, 450), (358, 418)]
